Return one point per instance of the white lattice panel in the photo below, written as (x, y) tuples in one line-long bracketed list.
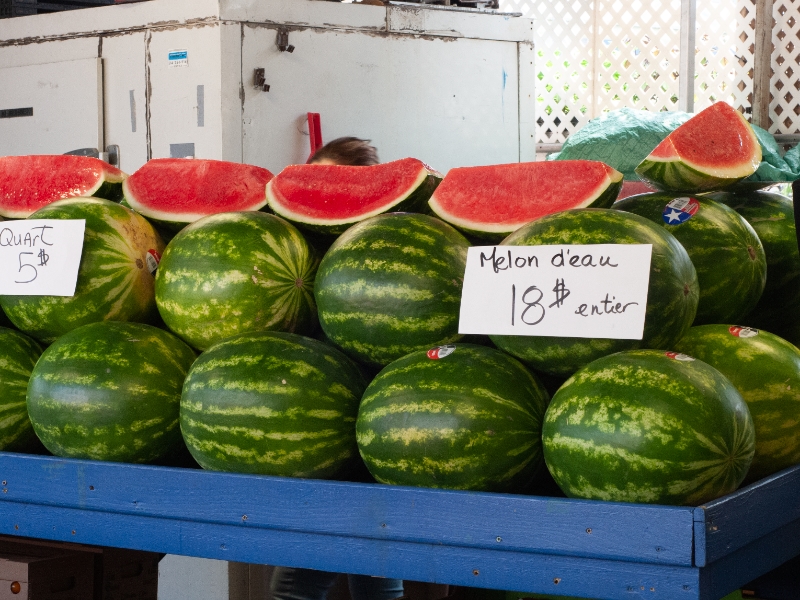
[(724, 58), (598, 55), (784, 106), (638, 49), (563, 35)]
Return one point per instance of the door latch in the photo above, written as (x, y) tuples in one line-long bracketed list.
[(283, 41), (259, 79)]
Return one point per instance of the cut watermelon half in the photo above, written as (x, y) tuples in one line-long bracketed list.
[(491, 202), (711, 151), (28, 183), (177, 191), (331, 198)]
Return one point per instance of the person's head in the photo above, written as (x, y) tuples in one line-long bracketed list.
[(346, 151)]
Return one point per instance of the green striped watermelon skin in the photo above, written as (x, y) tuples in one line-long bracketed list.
[(114, 280), (235, 272), (470, 420), (714, 149), (677, 176), (18, 355), (272, 403), (725, 250), (672, 295), (766, 370), (110, 391), (391, 285), (641, 426), (772, 217)]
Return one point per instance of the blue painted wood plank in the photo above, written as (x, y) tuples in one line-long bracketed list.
[(780, 584), (725, 525), (470, 566), (600, 530), (741, 566)]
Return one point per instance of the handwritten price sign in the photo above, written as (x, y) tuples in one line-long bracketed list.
[(591, 291), (40, 257)]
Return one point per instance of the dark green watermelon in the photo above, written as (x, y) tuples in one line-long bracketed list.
[(18, 355), (772, 217), (115, 279), (766, 370), (391, 285), (457, 416), (725, 250), (648, 426), (671, 297), (273, 404), (110, 391), (235, 272)]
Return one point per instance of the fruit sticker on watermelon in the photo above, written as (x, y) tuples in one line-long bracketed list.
[(441, 352), (678, 356), (680, 210), (742, 332)]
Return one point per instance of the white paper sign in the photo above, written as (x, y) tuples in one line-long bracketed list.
[(40, 257), (589, 291)]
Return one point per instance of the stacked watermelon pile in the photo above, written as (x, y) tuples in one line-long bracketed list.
[(299, 325)]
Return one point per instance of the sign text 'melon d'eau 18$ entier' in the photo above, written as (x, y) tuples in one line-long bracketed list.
[(586, 291)]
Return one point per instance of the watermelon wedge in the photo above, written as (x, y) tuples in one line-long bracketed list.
[(178, 191), (28, 183), (331, 198), (491, 202), (711, 151)]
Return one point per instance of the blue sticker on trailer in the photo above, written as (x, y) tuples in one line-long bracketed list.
[(178, 58)]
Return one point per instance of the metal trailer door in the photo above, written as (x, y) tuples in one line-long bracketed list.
[(51, 108), (447, 101)]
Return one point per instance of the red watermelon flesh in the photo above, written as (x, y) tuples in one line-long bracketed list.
[(28, 183), (183, 190), (332, 197), (713, 139), (493, 201)]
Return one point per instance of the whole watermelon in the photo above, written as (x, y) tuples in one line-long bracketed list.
[(766, 371), (725, 250), (648, 426), (457, 416), (672, 294), (18, 355), (115, 278), (772, 217), (391, 285), (273, 404), (236, 272), (110, 391)]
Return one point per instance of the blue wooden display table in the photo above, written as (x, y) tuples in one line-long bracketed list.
[(524, 543)]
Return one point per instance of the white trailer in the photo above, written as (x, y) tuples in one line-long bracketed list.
[(235, 79)]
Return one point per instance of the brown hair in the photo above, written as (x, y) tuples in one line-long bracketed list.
[(347, 151)]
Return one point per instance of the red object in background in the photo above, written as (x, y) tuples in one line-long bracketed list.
[(631, 188), (314, 134)]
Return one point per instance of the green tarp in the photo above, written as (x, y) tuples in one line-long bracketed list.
[(623, 138)]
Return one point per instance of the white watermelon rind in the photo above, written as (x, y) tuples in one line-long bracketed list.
[(426, 178), (110, 180), (675, 174), (603, 196), (174, 219)]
